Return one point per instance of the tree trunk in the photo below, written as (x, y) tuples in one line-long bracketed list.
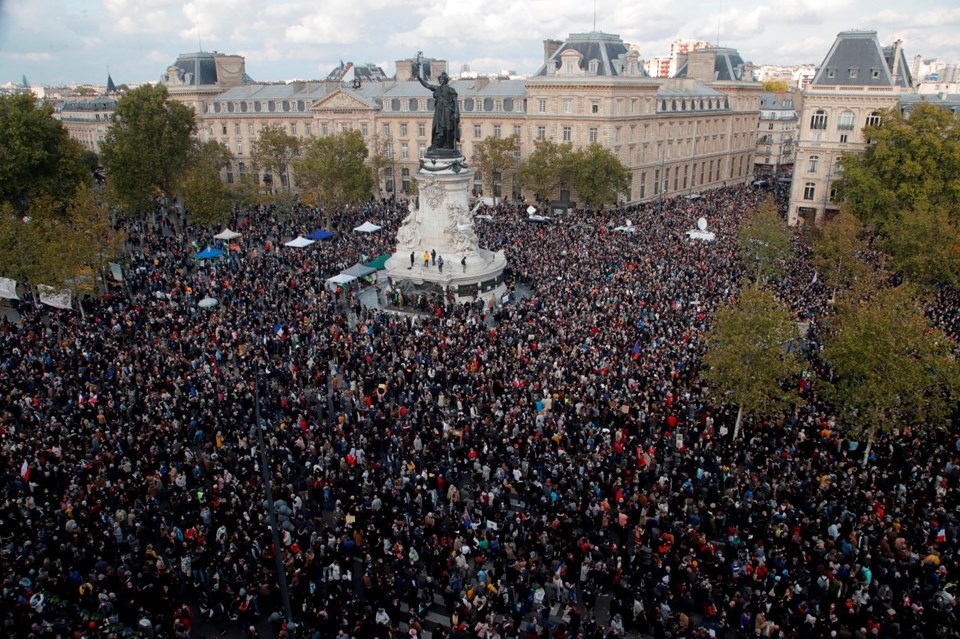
[(866, 450), (736, 426)]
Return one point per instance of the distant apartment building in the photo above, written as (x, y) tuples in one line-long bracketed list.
[(776, 136)]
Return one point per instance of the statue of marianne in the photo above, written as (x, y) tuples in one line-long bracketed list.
[(446, 111)]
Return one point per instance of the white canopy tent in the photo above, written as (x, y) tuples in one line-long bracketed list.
[(227, 234), (340, 278), (299, 242), (367, 227)]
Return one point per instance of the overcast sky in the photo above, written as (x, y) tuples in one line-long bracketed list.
[(75, 41)]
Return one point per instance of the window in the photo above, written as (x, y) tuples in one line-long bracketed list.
[(250, 129), (344, 127), (594, 66), (656, 182), (831, 73), (241, 168), (516, 130), (230, 173), (843, 138), (809, 190), (364, 129), (568, 106), (496, 131), (405, 179), (293, 128), (812, 166), (594, 134), (421, 129), (422, 150), (223, 128), (873, 119), (569, 68), (541, 133), (389, 150), (594, 107), (403, 129), (819, 120), (239, 147), (498, 105), (643, 185), (404, 151), (846, 121), (236, 129), (323, 129), (386, 129), (388, 179), (477, 131), (307, 129), (567, 134)]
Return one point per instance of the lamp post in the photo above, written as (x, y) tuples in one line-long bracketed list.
[(272, 511)]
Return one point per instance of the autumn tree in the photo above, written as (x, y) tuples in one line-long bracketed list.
[(912, 163), (924, 246), (380, 158), (747, 362), (837, 249), (764, 242), (548, 168), (333, 172), (147, 147), (890, 368), (495, 156), (273, 151), (599, 176), (776, 86)]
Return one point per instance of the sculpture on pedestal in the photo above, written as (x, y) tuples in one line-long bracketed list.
[(446, 113)]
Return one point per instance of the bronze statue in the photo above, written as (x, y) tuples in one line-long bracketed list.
[(446, 113)]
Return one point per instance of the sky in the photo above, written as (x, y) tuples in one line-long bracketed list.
[(77, 41)]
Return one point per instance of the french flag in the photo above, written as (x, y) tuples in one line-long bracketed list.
[(25, 470), (278, 329)]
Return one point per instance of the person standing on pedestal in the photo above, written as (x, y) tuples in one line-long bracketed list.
[(433, 256), (440, 263), (426, 260), (446, 111)]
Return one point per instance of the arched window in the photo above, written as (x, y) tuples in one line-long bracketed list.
[(819, 120), (814, 161), (846, 121), (873, 119), (809, 190)]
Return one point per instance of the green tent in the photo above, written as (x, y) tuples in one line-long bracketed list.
[(380, 263)]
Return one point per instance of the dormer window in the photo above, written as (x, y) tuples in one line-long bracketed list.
[(594, 66), (569, 68), (853, 72), (831, 73), (874, 73)]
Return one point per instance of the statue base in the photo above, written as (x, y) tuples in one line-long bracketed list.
[(443, 224)]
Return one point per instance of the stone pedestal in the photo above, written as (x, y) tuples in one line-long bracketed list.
[(442, 221)]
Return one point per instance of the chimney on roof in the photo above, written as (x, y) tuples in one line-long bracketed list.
[(549, 48), (481, 82), (895, 69)]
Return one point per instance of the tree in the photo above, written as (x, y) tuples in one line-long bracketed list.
[(911, 162), (92, 238), (147, 147), (381, 158), (764, 241), (273, 151), (37, 157), (923, 245), (747, 359), (890, 367), (205, 197), (776, 86), (212, 152), (549, 167), (495, 156), (837, 247), (332, 171), (599, 176)]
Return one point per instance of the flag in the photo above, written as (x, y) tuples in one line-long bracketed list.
[(342, 65), (25, 470), (636, 350), (278, 330)]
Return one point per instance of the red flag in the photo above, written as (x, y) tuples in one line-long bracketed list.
[(25, 470)]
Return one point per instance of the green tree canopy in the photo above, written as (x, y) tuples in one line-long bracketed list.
[(274, 150), (911, 163), (549, 167), (380, 158), (837, 250), (205, 197), (147, 147), (599, 176), (764, 241), (891, 368), (212, 152), (495, 155), (924, 245), (333, 172), (37, 157), (747, 361), (776, 86)]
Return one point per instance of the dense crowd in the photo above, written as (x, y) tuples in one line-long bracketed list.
[(528, 464)]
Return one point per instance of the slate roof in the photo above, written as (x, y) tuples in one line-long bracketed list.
[(605, 48), (857, 59), (200, 68), (771, 102), (728, 66), (101, 103)]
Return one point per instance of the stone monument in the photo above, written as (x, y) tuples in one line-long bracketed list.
[(437, 245)]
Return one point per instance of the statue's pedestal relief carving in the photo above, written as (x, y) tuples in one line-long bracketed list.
[(444, 223)]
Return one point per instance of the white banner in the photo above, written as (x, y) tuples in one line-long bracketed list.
[(50, 297), (115, 271), (8, 288)]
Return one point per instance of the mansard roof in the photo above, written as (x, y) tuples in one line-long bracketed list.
[(600, 54), (857, 59)]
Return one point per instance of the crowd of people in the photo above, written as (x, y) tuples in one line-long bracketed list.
[(549, 467)]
